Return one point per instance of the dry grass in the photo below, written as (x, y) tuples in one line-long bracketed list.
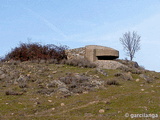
[(133, 97), (80, 63)]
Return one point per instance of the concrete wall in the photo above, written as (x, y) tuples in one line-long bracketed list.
[(92, 52), (103, 52)]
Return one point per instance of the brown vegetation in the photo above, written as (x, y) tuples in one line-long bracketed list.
[(35, 51)]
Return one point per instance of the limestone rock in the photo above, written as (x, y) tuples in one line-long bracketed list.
[(59, 84), (101, 111), (146, 78)]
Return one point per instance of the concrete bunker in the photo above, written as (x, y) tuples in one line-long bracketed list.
[(93, 53)]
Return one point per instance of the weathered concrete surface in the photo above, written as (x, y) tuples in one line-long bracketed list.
[(93, 53)]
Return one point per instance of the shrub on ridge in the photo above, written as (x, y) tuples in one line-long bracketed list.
[(35, 51)]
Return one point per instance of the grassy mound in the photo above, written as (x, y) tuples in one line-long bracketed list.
[(58, 91)]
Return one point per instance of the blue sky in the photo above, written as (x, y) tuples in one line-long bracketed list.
[(77, 23)]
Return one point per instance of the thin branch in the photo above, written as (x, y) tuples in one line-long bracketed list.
[(131, 43)]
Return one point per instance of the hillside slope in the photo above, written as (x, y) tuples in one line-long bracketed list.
[(43, 91)]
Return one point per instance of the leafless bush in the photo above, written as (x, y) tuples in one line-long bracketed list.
[(117, 74), (35, 51), (136, 71), (45, 91), (10, 92), (80, 63), (53, 61), (1, 59), (124, 76), (13, 62), (101, 71), (74, 79), (142, 67), (125, 69), (112, 82), (64, 61), (23, 85)]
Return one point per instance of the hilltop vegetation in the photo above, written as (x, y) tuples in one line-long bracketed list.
[(65, 90), (36, 51)]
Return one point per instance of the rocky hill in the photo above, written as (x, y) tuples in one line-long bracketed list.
[(46, 90)]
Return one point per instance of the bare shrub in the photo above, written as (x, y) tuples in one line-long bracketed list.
[(46, 91), (125, 69), (74, 79), (142, 67), (124, 76), (53, 61), (23, 85), (13, 62), (9, 92), (35, 51), (136, 71), (1, 59), (112, 82), (63, 61), (80, 63), (101, 71), (132, 67)]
